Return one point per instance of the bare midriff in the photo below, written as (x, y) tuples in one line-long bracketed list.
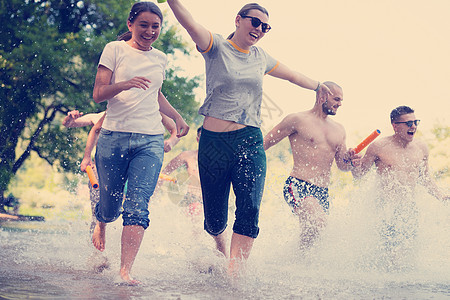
[(218, 125)]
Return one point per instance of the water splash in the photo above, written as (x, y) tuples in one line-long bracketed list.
[(178, 260)]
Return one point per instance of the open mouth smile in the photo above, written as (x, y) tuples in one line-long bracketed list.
[(254, 35)]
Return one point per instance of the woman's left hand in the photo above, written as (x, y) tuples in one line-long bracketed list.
[(323, 93), (182, 127)]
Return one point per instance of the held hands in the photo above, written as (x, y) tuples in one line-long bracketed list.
[(323, 92), (351, 158)]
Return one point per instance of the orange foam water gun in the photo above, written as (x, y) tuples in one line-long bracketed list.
[(367, 141), (92, 177), (167, 178)]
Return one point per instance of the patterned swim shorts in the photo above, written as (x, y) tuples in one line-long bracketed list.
[(295, 190)]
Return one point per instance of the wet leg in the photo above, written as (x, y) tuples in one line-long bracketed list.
[(221, 243), (241, 246), (312, 221), (98, 237), (132, 236)]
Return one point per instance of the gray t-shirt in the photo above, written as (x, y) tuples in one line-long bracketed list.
[(234, 79)]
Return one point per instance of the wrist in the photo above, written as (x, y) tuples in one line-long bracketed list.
[(318, 86)]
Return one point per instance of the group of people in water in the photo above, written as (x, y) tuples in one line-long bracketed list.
[(231, 150)]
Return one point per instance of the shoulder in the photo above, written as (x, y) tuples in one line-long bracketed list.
[(337, 126), (115, 45), (218, 38), (422, 146), (379, 145), (159, 53), (260, 52), (294, 118), (217, 41), (113, 49)]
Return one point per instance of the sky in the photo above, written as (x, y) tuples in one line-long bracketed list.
[(383, 53)]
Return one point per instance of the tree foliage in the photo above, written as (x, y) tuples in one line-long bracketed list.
[(49, 52)]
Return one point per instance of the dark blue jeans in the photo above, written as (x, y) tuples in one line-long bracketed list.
[(122, 156), (237, 158)]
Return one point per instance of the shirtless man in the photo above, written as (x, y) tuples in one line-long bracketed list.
[(401, 162), (316, 141)]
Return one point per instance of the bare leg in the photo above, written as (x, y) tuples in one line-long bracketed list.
[(132, 236), (98, 237), (221, 243), (241, 246), (312, 221)]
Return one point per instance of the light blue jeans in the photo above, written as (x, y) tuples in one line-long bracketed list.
[(122, 156)]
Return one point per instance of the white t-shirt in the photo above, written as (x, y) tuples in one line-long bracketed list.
[(135, 110)]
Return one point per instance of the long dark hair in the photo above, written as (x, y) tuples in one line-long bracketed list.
[(245, 10), (136, 10)]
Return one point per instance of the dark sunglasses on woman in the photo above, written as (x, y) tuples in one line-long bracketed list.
[(256, 22)]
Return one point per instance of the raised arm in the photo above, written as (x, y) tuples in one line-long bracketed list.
[(171, 127), (297, 78), (199, 34), (90, 144), (285, 128)]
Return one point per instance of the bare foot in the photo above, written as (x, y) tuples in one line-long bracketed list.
[(127, 279), (98, 237), (234, 267)]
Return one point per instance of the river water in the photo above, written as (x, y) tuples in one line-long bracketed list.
[(177, 260)]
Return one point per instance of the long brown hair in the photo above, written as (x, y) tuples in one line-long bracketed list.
[(245, 10), (136, 10)]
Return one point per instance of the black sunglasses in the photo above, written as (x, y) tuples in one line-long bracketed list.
[(409, 123), (256, 22)]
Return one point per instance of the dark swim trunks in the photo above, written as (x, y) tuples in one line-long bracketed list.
[(295, 190)]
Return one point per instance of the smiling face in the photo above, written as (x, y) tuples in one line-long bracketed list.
[(145, 30), (402, 130), (333, 102), (247, 34)]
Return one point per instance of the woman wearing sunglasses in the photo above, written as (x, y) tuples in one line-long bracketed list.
[(231, 146)]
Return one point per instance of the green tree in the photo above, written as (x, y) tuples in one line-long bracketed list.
[(49, 52)]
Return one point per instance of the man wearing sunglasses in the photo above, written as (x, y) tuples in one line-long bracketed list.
[(401, 162)]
